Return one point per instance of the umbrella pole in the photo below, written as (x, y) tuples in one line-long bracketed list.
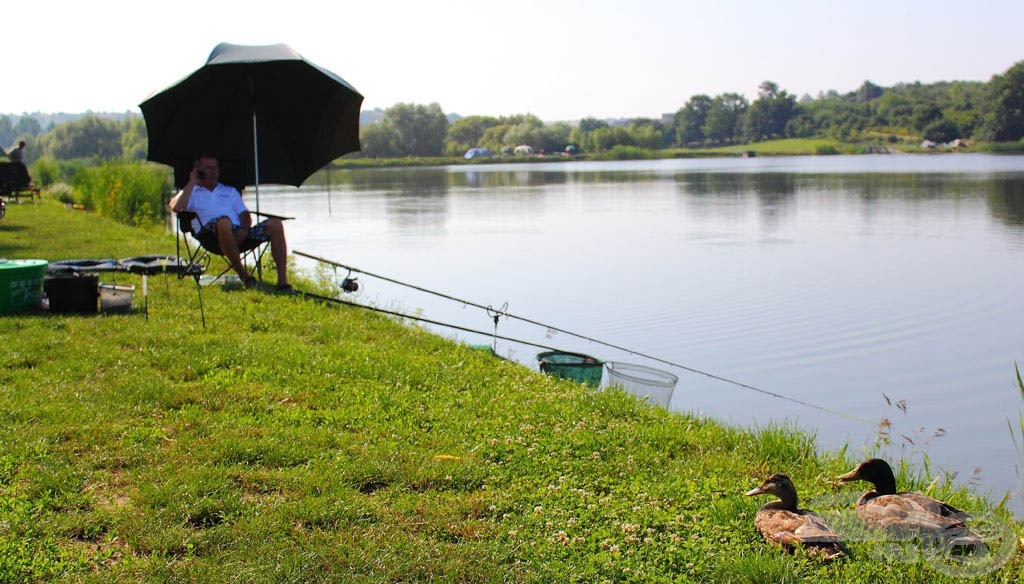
[(256, 168), (256, 159)]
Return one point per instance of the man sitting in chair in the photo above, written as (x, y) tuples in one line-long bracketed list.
[(223, 214)]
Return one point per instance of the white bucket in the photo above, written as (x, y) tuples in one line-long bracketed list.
[(646, 383), (116, 297)]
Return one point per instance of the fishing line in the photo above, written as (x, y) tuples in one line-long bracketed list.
[(426, 320), (503, 312)]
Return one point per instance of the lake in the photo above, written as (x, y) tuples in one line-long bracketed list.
[(874, 295)]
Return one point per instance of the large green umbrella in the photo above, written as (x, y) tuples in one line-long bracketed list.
[(268, 114)]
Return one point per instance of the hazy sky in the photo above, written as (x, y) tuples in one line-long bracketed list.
[(556, 59)]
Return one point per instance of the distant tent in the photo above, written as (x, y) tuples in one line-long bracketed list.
[(523, 150), (478, 153), (571, 149)]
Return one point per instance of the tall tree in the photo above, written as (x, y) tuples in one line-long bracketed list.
[(27, 126), (466, 133), (379, 140), (6, 131), (1006, 119), (588, 125), (770, 112), (868, 91), (528, 130), (690, 120), (421, 128), (87, 137), (556, 137), (725, 117), (134, 140)]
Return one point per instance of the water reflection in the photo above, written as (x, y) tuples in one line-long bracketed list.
[(1006, 200), (418, 196), (504, 179)]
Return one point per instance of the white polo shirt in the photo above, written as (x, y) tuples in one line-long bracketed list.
[(222, 201)]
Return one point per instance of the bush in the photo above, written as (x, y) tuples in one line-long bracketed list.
[(622, 152), (132, 193), (826, 150), (63, 192), (47, 171), (942, 131)]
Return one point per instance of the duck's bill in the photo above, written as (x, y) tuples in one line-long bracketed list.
[(850, 476), (754, 491)]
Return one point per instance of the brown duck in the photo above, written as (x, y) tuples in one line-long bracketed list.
[(783, 523), (906, 513)]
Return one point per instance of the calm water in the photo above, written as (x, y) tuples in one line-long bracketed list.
[(838, 281)]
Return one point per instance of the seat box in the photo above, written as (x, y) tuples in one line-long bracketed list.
[(73, 294)]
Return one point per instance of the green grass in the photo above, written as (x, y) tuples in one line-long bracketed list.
[(293, 441)]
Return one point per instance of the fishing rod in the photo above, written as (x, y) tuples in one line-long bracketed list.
[(504, 312)]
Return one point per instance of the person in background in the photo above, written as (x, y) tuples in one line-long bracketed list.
[(17, 154), (223, 215)]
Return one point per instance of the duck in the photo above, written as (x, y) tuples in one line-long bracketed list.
[(784, 524), (906, 513)]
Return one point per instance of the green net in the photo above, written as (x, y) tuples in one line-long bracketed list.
[(575, 366)]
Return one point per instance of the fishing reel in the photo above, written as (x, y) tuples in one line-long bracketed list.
[(350, 285)]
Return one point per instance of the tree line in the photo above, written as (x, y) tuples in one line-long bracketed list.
[(990, 111)]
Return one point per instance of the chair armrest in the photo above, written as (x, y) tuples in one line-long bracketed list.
[(185, 221), (271, 215)]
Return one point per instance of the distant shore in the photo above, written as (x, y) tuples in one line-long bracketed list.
[(786, 147)]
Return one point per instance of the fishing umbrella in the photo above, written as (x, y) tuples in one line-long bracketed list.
[(267, 113)]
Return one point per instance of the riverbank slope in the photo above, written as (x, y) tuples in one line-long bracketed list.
[(290, 440)]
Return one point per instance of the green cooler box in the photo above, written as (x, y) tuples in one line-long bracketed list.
[(21, 284)]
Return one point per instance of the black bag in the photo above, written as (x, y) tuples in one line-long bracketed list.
[(73, 293)]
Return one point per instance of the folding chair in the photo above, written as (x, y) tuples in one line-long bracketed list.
[(203, 246), (200, 247)]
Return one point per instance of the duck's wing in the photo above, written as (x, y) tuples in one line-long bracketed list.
[(902, 513), (791, 529), (814, 529), (779, 526), (935, 506)]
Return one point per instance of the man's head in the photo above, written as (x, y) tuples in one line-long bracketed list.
[(21, 144), (207, 171)]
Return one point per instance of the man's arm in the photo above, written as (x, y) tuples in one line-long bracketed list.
[(245, 219), (180, 201)]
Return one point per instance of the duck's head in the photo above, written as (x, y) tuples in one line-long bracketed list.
[(875, 471), (779, 485)]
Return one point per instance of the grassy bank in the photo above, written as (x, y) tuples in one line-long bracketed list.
[(294, 441)]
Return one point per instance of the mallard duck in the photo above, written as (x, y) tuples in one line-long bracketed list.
[(783, 523), (906, 513)]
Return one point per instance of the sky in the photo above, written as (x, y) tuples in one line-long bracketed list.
[(556, 59)]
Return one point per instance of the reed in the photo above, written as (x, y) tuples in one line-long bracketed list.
[(131, 193)]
